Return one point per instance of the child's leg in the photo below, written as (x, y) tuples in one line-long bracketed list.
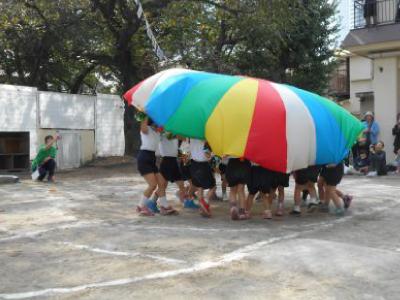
[(144, 202), (223, 185), (313, 203), (249, 202), (281, 195), (242, 201), (191, 190), (200, 192), (321, 189), (182, 190), (267, 204), (311, 189), (211, 193), (205, 210), (267, 200), (297, 198), (331, 190), (151, 181), (339, 193), (241, 195), (162, 185), (281, 199), (233, 195), (165, 208)]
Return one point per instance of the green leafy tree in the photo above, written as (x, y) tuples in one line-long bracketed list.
[(89, 46)]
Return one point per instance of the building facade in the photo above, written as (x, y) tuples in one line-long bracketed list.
[(89, 126), (374, 60)]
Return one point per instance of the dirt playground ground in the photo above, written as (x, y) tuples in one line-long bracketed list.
[(81, 239)]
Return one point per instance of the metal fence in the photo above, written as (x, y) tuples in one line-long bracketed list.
[(368, 13)]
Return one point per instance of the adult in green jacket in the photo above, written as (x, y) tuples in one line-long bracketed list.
[(45, 159)]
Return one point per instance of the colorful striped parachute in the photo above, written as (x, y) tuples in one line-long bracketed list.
[(278, 126)]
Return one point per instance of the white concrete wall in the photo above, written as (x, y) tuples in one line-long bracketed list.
[(360, 86), (361, 77), (86, 147), (110, 138), (361, 68), (386, 91), (98, 119), (18, 111), (66, 111)]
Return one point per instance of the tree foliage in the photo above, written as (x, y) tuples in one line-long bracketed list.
[(89, 46)]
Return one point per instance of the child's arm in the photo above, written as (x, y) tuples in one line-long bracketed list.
[(50, 144)]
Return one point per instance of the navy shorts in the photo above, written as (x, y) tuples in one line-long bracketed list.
[(238, 172), (333, 175), (260, 180), (146, 162), (169, 169), (202, 175), (185, 170), (280, 179), (306, 175)]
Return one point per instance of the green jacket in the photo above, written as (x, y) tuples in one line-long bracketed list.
[(43, 153)]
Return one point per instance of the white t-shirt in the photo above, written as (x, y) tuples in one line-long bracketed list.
[(197, 150), (150, 140), (168, 147)]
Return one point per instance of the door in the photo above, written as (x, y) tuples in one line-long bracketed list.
[(110, 138), (69, 150)]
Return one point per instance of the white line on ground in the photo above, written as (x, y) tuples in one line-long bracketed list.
[(223, 260), (128, 254), (201, 266), (32, 234)]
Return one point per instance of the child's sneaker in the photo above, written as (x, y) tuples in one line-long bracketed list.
[(339, 212), (243, 215), (189, 203), (267, 214), (152, 206), (167, 211), (295, 212), (205, 209), (372, 174), (312, 205), (144, 211), (347, 201), (279, 212)]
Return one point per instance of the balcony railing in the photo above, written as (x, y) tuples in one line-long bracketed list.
[(368, 13)]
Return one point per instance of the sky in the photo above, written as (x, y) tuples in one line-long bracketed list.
[(344, 17)]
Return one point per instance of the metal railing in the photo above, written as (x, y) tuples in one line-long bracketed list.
[(368, 13)]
